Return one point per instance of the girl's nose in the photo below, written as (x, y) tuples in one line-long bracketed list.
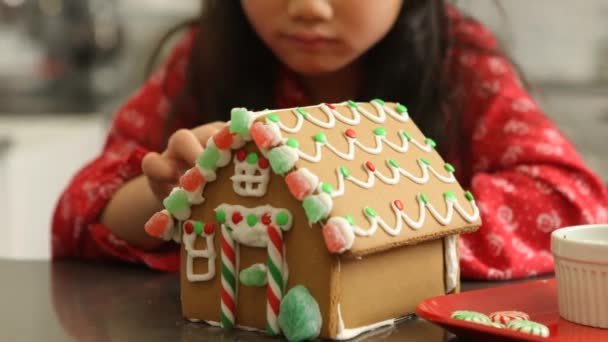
[(310, 10)]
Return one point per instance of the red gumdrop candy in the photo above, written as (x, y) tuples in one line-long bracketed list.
[(191, 180), (158, 224), (223, 139), (298, 185), (261, 135), (334, 240)]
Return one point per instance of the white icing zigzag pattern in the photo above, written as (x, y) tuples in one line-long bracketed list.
[(400, 216), (332, 114), (381, 140), (396, 171)]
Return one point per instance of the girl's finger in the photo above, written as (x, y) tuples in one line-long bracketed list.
[(204, 132), (184, 147), (159, 168)]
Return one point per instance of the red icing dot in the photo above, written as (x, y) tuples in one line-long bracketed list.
[(330, 106), (223, 138), (263, 163), (398, 204), (237, 217), (351, 133), (191, 180), (209, 228), (188, 227), (370, 166), (266, 219), (241, 155)]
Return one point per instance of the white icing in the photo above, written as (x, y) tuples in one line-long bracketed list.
[(401, 216), (311, 178), (332, 115), (452, 264), (209, 175), (348, 333), (196, 196), (237, 141), (397, 172), (218, 324), (224, 154), (275, 132), (255, 236), (208, 253), (245, 182), (346, 229)]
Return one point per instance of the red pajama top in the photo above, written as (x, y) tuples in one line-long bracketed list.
[(526, 177)]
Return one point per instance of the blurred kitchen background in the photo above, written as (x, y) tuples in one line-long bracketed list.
[(65, 66)]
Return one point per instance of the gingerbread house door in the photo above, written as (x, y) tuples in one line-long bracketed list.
[(260, 227)]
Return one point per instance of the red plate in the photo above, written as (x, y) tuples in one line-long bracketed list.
[(536, 298)]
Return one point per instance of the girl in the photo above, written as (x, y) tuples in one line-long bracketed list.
[(527, 179)]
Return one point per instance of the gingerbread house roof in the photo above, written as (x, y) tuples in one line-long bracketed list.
[(363, 171)]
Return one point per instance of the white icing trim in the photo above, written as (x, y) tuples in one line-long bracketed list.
[(332, 115), (255, 236), (348, 333), (397, 172), (401, 216), (452, 264), (224, 154), (209, 175), (209, 253), (380, 140), (245, 173), (218, 324)]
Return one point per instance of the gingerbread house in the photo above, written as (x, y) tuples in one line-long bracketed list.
[(348, 206)]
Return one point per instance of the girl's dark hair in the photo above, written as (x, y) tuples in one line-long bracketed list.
[(231, 67)]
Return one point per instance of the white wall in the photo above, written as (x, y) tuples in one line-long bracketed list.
[(45, 151), (554, 40)]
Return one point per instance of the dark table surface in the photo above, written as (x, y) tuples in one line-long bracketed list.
[(44, 301)]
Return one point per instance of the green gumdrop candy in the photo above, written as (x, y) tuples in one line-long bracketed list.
[(281, 160), (239, 121), (176, 201), (300, 317), (209, 158), (315, 208), (254, 275)]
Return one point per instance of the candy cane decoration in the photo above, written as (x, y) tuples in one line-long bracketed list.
[(229, 278), (275, 274)]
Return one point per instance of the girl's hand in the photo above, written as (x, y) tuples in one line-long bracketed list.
[(163, 170)]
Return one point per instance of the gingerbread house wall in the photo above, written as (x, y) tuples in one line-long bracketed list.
[(308, 260), (388, 284)]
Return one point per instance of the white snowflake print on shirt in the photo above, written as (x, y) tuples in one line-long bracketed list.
[(505, 214), (514, 126), (548, 222), (496, 244), (523, 105), (511, 155)]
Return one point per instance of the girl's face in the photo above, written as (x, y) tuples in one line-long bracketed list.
[(314, 37)]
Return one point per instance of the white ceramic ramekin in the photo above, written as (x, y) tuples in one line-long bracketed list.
[(581, 271)]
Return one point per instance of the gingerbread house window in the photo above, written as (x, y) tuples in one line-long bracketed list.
[(251, 174)]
